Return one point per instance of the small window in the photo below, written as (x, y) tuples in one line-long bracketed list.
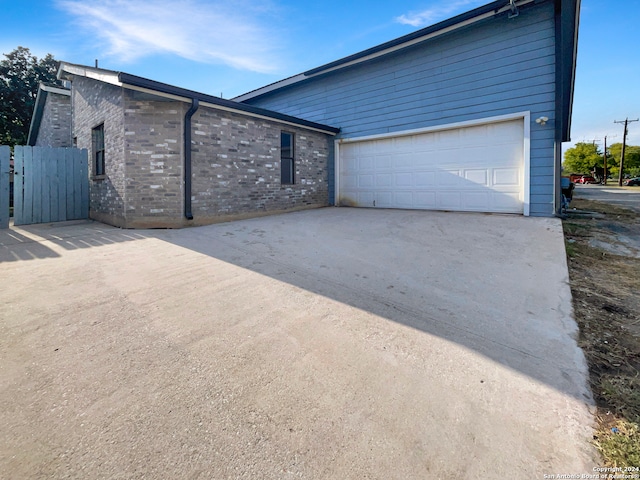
[(286, 159), (97, 140)]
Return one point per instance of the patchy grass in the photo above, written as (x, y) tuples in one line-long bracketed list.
[(605, 289), (621, 443)]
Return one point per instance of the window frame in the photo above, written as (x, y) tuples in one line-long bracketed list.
[(98, 149), (290, 160)]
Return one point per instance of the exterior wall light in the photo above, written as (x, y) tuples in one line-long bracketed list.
[(542, 120)]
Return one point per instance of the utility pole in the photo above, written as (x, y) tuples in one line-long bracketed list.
[(624, 143), (605, 160)]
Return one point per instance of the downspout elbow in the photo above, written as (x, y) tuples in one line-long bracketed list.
[(187, 158)]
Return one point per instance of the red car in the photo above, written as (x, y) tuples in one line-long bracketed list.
[(575, 178), (587, 179)]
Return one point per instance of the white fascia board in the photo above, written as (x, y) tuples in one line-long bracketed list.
[(57, 90), (526, 203), (96, 74), (150, 91), (337, 165)]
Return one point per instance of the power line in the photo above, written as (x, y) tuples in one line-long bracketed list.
[(624, 143)]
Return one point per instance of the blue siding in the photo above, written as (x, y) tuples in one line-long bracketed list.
[(496, 67)]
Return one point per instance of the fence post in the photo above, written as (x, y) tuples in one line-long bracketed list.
[(5, 159)]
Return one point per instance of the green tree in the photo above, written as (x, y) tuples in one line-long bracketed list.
[(631, 160), (20, 74), (582, 158)]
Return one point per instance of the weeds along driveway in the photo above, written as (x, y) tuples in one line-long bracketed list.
[(333, 343)]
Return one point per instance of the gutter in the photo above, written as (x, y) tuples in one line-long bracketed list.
[(567, 18), (187, 158), (134, 82)]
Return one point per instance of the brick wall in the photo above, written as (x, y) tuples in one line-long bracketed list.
[(94, 103), (154, 161), (236, 166), (235, 160), (55, 126)]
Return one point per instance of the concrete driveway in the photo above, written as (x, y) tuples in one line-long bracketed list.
[(324, 344)]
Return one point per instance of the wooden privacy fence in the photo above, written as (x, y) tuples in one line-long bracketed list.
[(5, 176), (50, 185)]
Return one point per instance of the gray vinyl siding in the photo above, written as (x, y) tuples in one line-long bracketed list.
[(497, 67)]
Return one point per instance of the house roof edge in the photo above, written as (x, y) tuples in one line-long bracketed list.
[(127, 80), (423, 34)]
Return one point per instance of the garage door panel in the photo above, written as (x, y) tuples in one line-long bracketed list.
[(481, 201), (448, 178), (350, 182), (400, 143), (403, 180), (384, 180), (366, 162), (384, 199), (365, 181), (502, 154), (384, 161), (425, 200), (505, 132), (479, 177), (449, 200), (479, 168), (505, 202), (404, 160), (366, 199), (506, 177), (447, 139), (425, 179), (403, 199)]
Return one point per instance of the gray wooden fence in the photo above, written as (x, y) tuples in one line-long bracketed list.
[(50, 185), (5, 155)]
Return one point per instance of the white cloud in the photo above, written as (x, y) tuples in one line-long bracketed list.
[(219, 32), (436, 13)]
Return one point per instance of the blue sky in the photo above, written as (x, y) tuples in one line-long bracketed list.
[(229, 47)]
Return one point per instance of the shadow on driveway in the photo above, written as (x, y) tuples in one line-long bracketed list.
[(332, 343), (496, 284), (28, 242)]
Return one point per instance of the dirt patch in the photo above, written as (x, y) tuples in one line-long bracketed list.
[(603, 249)]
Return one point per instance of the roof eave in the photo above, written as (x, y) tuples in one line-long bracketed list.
[(128, 80), (424, 34), (36, 118), (134, 82), (570, 43)]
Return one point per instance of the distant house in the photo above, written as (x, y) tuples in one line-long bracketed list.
[(468, 114)]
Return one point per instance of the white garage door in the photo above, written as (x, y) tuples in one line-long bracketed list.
[(478, 168)]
